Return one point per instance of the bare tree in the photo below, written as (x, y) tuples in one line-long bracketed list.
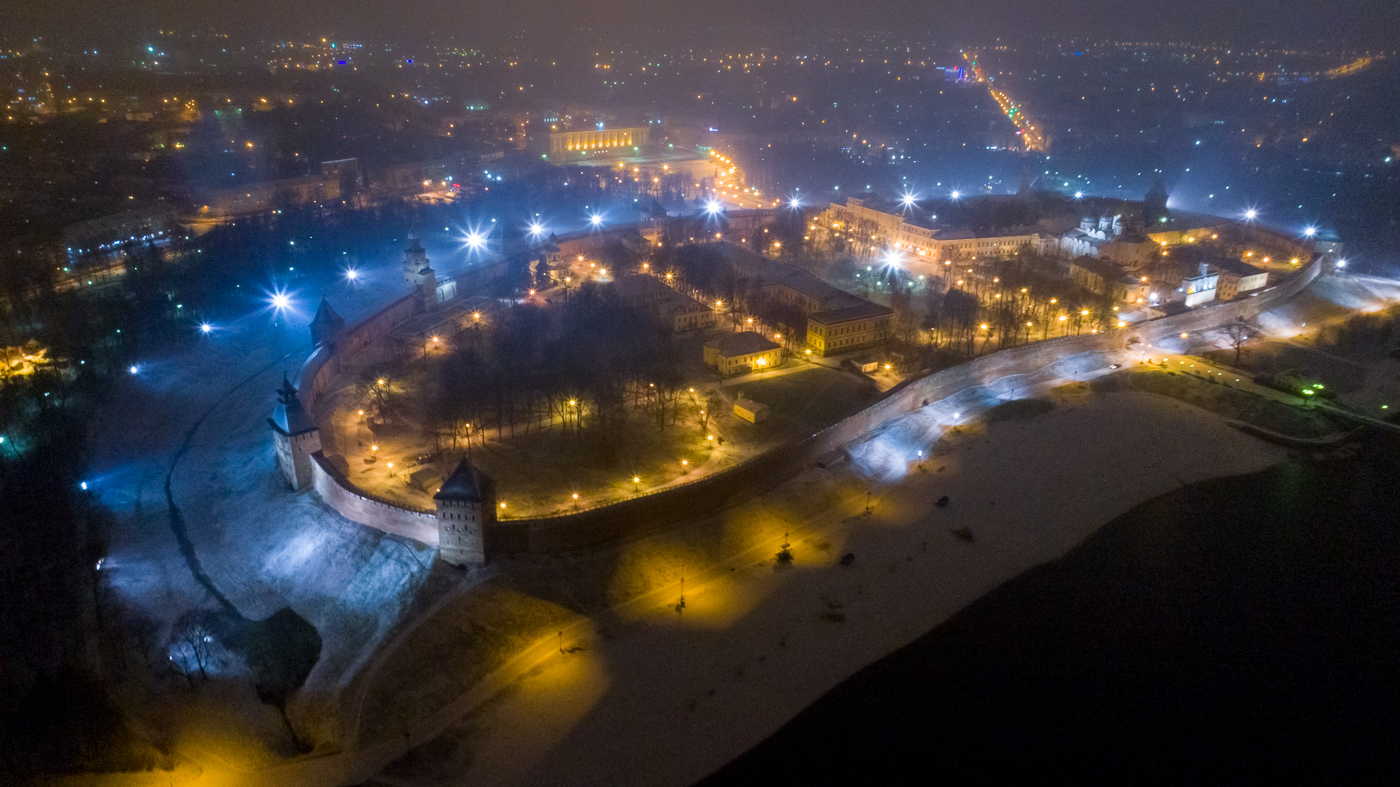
[(191, 649), (1239, 332)]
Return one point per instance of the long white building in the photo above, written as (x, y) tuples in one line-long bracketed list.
[(872, 225)]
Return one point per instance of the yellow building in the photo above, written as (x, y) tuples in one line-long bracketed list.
[(676, 310), (737, 353), (1237, 277), (852, 328), (749, 410), (561, 142)]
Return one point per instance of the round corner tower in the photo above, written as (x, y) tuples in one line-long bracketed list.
[(466, 506)]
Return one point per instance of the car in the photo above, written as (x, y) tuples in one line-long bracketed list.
[(1115, 366)]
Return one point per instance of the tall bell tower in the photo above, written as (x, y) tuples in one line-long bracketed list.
[(415, 264)]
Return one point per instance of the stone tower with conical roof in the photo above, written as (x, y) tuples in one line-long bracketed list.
[(295, 436), (326, 326), (466, 506)]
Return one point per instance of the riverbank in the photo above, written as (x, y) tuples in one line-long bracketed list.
[(1239, 627), (661, 696)]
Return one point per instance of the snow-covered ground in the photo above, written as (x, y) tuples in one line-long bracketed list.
[(656, 696), (263, 546), (652, 695)]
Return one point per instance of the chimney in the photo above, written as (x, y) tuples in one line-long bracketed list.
[(1205, 269)]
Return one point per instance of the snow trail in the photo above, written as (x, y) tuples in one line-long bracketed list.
[(177, 521)]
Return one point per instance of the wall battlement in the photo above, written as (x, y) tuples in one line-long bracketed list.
[(610, 523)]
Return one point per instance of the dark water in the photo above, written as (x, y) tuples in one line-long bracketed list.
[(1243, 628)]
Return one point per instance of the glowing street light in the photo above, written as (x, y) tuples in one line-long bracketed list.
[(794, 203), (536, 229), (351, 274), (712, 207), (1079, 195), (1309, 231), (134, 369), (476, 240), (1251, 214), (596, 219), (956, 194), (280, 301), (908, 199), (205, 327)]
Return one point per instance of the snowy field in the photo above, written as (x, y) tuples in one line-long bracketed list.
[(263, 546), (656, 696)]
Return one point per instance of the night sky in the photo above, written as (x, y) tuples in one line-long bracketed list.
[(1351, 22)]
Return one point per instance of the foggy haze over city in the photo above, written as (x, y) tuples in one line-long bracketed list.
[(666, 393), (1291, 22)]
